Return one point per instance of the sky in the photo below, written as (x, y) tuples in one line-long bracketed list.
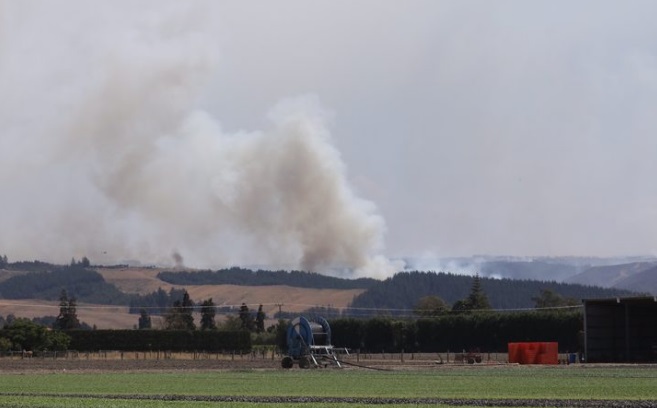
[(326, 135)]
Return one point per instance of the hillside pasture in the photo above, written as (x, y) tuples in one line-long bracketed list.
[(102, 316), (144, 280)]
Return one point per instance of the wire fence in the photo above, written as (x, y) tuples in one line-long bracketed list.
[(461, 357)]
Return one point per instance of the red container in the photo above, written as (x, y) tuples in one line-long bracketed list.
[(534, 353)]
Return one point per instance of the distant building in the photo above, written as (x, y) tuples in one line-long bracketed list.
[(620, 330)]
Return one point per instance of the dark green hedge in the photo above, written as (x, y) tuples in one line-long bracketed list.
[(165, 340), (490, 332)]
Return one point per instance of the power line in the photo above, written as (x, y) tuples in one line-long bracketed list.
[(292, 305)]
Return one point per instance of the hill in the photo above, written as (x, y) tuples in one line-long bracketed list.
[(529, 270), (82, 283), (403, 290), (107, 295), (636, 276), (629, 273), (644, 281)]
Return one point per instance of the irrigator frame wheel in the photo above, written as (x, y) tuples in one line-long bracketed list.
[(287, 362), (304, 362)]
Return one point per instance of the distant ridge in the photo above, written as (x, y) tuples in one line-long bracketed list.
[(636, 276), (635, 273)]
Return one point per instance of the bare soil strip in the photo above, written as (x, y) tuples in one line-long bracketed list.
[(38, 365)]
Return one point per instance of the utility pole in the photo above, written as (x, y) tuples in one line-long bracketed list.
[(280, 310)]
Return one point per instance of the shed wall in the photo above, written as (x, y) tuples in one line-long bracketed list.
[(621, 330)]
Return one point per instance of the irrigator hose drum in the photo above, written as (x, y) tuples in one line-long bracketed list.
[(302, 333), (299, 337), (321, 332)]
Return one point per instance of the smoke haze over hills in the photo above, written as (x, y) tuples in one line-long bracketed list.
[(327, 136), (106, 153)]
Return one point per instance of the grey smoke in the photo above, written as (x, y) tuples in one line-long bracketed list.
[(106, 149), (178, 260)]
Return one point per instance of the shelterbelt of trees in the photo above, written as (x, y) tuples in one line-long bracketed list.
[(486, 332)]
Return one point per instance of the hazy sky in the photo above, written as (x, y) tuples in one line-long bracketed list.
[(434, 127)]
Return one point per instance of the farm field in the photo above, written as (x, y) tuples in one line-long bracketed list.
[(447, 385)]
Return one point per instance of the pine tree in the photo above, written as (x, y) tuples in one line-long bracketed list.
[(208, 312), (179, 317), (85, 263), (260, 320), (477, 300), (144, 320), (68, 317), (246, 318), (188, 309)]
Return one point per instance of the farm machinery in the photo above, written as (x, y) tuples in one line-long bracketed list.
[(309, 342)]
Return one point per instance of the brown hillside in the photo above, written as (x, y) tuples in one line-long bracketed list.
[(144, 281), (103, 316)]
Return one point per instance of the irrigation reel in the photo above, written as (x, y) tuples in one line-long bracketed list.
[(309, 342)]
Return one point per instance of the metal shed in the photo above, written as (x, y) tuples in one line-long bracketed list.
[(620, 330)]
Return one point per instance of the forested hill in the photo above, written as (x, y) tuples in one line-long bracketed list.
[(403, 290), (248, 277), (84, 284)]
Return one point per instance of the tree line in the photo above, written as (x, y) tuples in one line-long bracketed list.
[(403, 290), (249, 277), (472, 326), (180, 316), (487, 332), (57, 333)]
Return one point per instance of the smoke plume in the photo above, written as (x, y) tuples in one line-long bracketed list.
[(106, 151)]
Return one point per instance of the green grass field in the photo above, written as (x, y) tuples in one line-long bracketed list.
[(490, 383)]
